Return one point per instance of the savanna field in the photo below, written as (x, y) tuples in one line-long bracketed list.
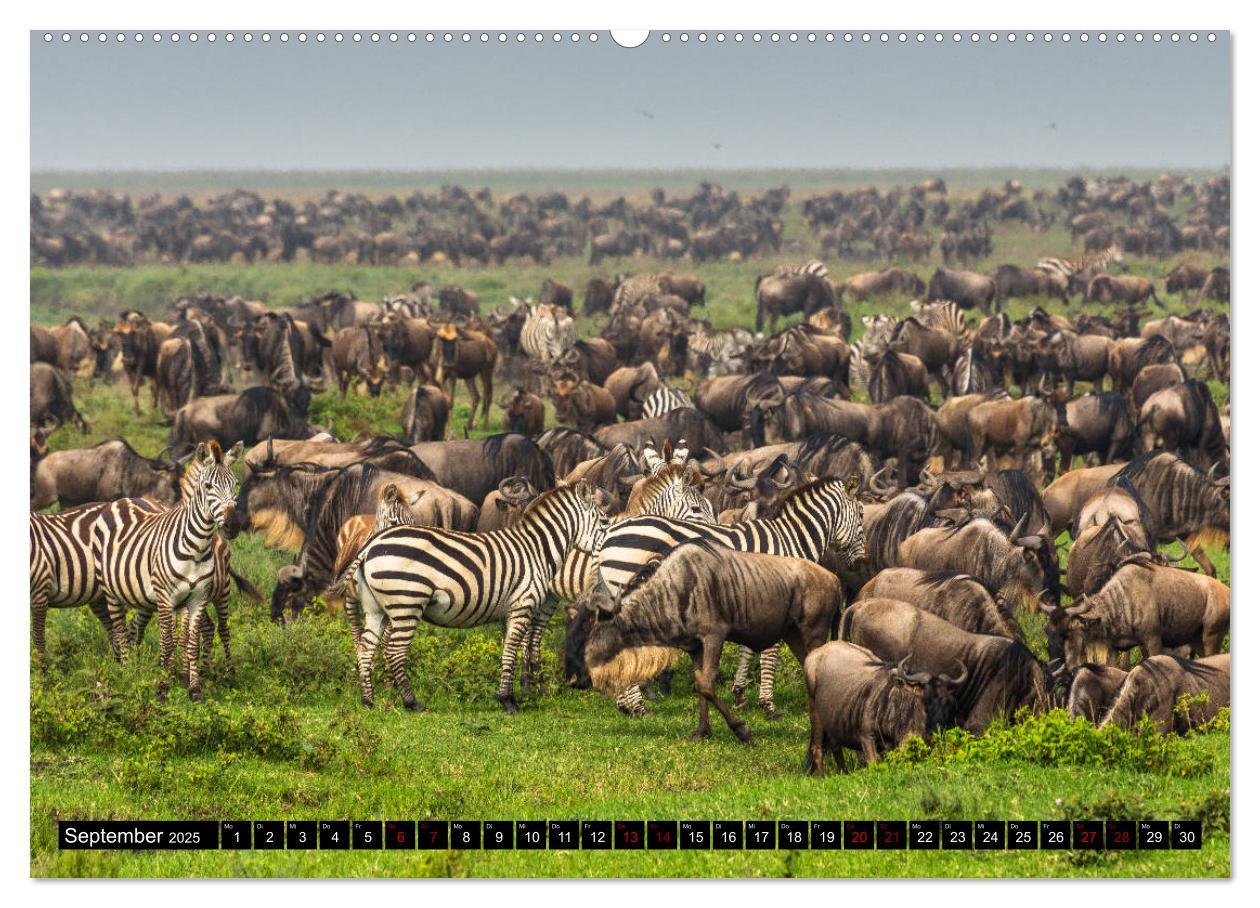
[(281, 733)]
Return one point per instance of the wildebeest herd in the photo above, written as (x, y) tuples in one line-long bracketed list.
[(891, 504)]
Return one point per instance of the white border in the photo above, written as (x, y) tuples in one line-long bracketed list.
[(1092, 16)]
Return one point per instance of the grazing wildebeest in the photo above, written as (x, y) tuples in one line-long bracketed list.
[(1101, 424), (1008, 564), (960, 599), (524, 413), (1176, 694), (1002, 675), (1184, 419), (108, 470), (699, 596), (1013, 281), (1184, 278), (1121, 288), (425, 414), (1092, 690), (858, 701), (52, 400), (875, 283), (804, 289), (968, 289), (473, 467), (251, 416), (469, 355), (1184, 501), (357, 355), (1149, 606)]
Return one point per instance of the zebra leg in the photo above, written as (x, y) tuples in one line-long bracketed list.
[(765, 699), (630, 702), (192, 644), (39, 614), (117, 613), (225, 636), (354, 618), (102, 615), (404, 628), (533, 645), (139, 622), (166, 624), (517, 627), (739, 698), (374, 620)]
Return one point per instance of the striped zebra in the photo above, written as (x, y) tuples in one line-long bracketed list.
[(1077, 272), (63, 573), (813, 519), (943, 314), (164, 560), (664, 400), (548, 332), (455, 579), (633, 290), (812, 267)]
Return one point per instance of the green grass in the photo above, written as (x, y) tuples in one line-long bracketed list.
[(283, 736)]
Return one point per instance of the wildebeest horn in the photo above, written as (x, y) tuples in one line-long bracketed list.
[(955, 682), (515, 488), (1076, 609), (1017, 529), (271, 450), (1029, 542), (917, 678), (878, 486), (712, 456), (743, 483)]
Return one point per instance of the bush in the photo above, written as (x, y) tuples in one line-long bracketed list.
[(1057, 739)]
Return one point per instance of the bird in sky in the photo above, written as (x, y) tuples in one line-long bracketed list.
[(717, 145), (646, 113), (1053, 126)]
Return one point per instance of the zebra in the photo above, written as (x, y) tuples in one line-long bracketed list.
[(455, 579), (633, 290), (220, 589), (812, 267), (943, 314), (664, 400), (163, 560), (816, 517), (1077, 272), (63, 572), (547, 333)]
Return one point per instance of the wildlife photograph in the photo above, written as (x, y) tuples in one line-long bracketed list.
[(576, 454)]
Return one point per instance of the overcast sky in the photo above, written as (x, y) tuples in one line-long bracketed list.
[(429, 106)]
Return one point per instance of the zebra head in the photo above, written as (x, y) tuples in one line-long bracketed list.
[(590, 521), (210, 484), (847, 536)]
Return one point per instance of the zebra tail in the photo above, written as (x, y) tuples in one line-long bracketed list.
[(344, 586), (246, 587)]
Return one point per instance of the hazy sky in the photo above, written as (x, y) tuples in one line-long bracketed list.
[(429, 106)]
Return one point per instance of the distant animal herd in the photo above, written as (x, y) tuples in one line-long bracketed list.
[(889, 506)]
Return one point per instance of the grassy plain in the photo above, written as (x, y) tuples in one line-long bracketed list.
[(282, 736)]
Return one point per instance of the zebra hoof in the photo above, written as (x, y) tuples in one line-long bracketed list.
[(415, 706), (772, 711), (194, 694), (740, 699), (509, 705), (367, 702)]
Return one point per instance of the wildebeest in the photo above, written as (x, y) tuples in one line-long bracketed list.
[(960, 599), (503, 507), (108, 470), (524, 413), (802, 289), (568, 447), (1092, 689), (875, 283), (1176, 694), (860, 702), (475, 466), (139, 341), (1079, 357), (936, 348), (594, 359), (1002, 674), (1008, 564), (598, 296), (424, 415), (630, 387), (1121, 288), (740, 402), (52, 400), (357, 355), (686, 424), (1013, 281), (699, 596), (891, 374), (1066, 495), (582, 403), (469, 355), (407, 342), (968, 289), (1020, 426), (1130, 355), (1183, 278), (1185, 502), (1184, 419), (251, 416), (1101, 424), (1149, 606)]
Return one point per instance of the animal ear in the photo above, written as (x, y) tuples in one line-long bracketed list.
[(852, 484), (234, 454), (583, 490), (201, 453)]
